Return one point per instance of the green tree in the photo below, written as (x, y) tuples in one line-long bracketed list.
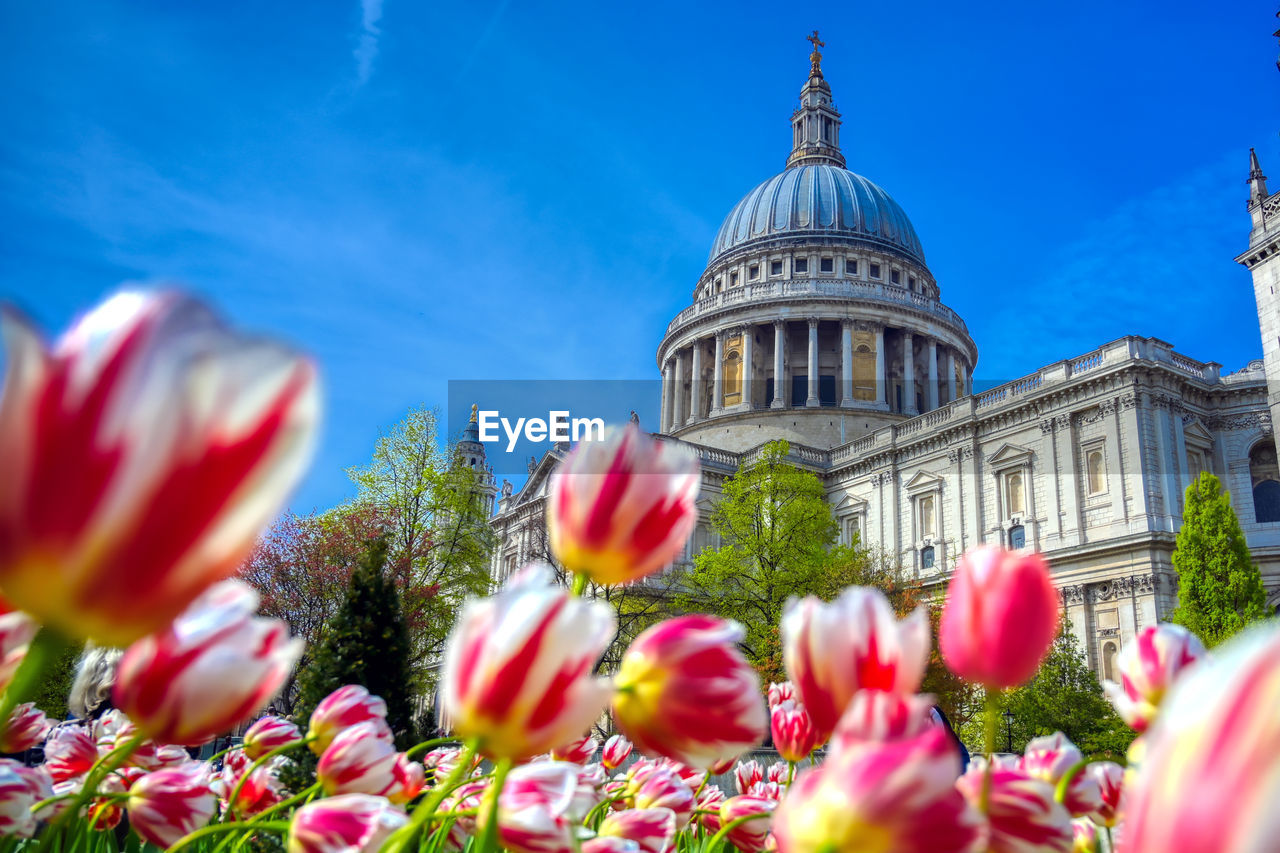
[(55, 684), (778, 540), (1219, 588), (365, 643)]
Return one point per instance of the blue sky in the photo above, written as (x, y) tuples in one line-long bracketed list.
[(420, 193)]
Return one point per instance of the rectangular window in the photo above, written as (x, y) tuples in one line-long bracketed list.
[(800, 264), (911, 282), (851, 266), (1095, 470), (775, 268), (1014, 494), (927, 523), (733, 279), (875, 270), (854, 535), (753, 272), (828, 265), (894, 276)]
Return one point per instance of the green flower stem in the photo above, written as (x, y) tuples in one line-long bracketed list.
[(791, 772), (1060, 792), (718, 838), (992, 726), (44, 649), (281, 826), (244, 777), (425, 810), (601, 806), (1111, 844), (223, 753), (579, 584), (426, 745), (489, 835), (100, 770)]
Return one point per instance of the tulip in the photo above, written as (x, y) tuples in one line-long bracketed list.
[(1209, 779), (357, 762), (351, 823), (780, 692), (27, 728), (707, 808), (17, 630), (409, 779), (653, 829), (536, 811), (621, 509), (1148, 667), (767, 790), (794, 735), (467, 797), (746, 774), (751, 835), (260, 789), (720, 768), (1051, 758), (345, 707), (104, 813), (268, 733), (37, 778), (69, 752), (1022, 814), (664, 789), (16, 800), (214, 667), (832, 651), (518, 667), (1109, 777), (616, 750), (686, 692), (114, 730), (167, 804), (579, 751), (778, 773), (609, 844), (874, 715), (1000, 617), (1085, 838), (182, 440), (892, 797)]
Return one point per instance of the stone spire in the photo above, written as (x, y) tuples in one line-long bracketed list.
[(815, 127), (1257, 180)]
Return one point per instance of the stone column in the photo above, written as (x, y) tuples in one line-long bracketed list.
[(931, 396), (882, 383), (813, 365), (908, 376), (748, 366), (717, 382), (780, 399), (846, 363), (665, 419), (677, 412), (695, 410), (951, 375)]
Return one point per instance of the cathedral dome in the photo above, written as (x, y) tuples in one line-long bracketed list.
[(821, 200)]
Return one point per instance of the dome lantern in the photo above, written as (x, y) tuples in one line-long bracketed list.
[(815, 127)]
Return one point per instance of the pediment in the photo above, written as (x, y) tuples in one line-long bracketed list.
[(1196, 433), (850, 504), (923, 481), (1009, 455)]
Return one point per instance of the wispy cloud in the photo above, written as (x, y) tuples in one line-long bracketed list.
[(367, 47)]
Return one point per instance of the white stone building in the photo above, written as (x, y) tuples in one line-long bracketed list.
[(817, 320)]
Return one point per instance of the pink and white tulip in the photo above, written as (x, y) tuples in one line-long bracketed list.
[(351, 823), (1022, 815), (794, 735), (27, 727), (518, 669), (1148, 668), (69, 752), (1085, 837), (165, 805), (409, 780), (16, 800), (664, 789), (893, 797), (260, 790), (874, 715), (1109, 778), (1050, 758), (616, 751), (216, 666), (345, 707), (746, 774), (578, 751), (183, 440), (707, 808), (832, 651), (538, 809), (653, 829), (1000, 617), (685, 691), (1210, 779), (609, 844), (269, 733), (621, 509), (781, 691), (752, 835), (358, 762), (17, 630)]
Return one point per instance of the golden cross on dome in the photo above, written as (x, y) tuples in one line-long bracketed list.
[(815, 57)]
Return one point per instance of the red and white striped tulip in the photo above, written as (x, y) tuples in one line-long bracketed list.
[(37, 779), (794, 735), (1050, 758), (685, 691), (616, 750), (752, 835), (1148, 668), (767, 790), (183, 440), (358, 762), (874, 715), (518, 667), (261, 789), (609, 844), (621, 508), (746, 774), (707, 808), (578, 751), (27, 727), (345, 707), (782, 691), (17, 630), (892, 797), (114, 730), (1109, 778), (1210, 778), (165, 805), (216, 666), (69, 752), (467, 797), (664, 789), (16, 801), (268, 733), (653, 829), (1085, 837), (832, 651), (537, 808), (1000, 617), (1022, 815), (351, 823), (409, 780)]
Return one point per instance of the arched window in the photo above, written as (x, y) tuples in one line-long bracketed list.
[(1015, 492), (732, 379), (1097, 472), (1265, 477), (927, 523), (1109, 661), (1017, 536)]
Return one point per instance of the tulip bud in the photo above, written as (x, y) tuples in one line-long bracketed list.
[(518, 667), (653, 829), (622, 508), (854, 643), (350, 823), (794, 735), (1148, 667), (685, 691), (27, 728), (1000, 617), (357, 762), (345, 707), (183, 440), (1022, 814), (167, 804), (616, 750), (1085, 838), (269, 733), (752, 835), (215, 666)]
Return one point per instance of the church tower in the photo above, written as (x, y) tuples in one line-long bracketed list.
[(470, 451), (1263, 260)]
